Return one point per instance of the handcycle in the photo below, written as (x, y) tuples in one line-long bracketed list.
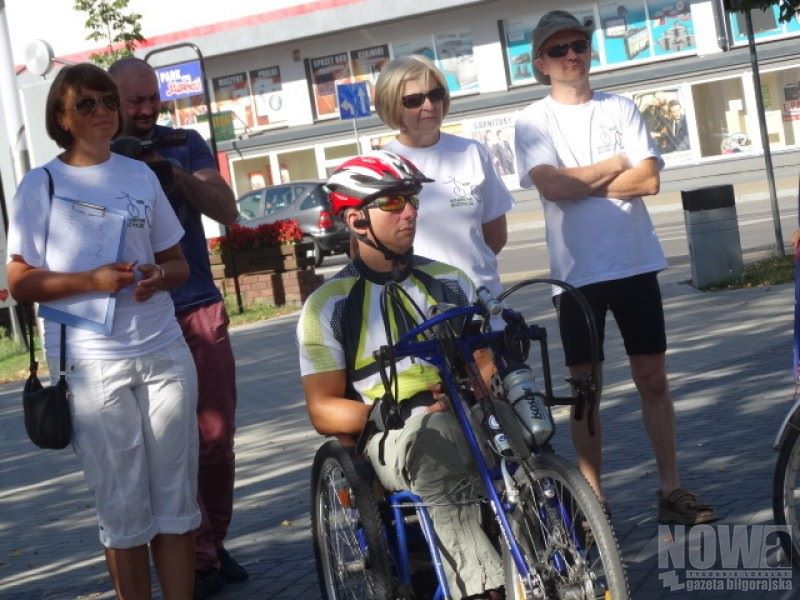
[(553, 534)]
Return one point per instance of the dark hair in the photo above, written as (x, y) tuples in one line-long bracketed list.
[(83, 76)]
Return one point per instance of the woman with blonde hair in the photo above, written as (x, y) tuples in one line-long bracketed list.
[(461, 218)]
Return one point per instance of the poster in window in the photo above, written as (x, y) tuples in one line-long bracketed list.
[(231, 92), (671, 26), (421, 46), (367, 64), (791, 103), (625, 31), (765, 24), (665, 118), (518, 41), (793, 24), (325, 73), (455, 59), (268, 95), (496, 133)]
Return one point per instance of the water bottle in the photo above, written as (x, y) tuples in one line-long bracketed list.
[(523, 394)]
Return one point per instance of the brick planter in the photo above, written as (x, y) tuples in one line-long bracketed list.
[(274, 259), (278, 275)]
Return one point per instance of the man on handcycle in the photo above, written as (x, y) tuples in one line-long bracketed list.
[(344, 322)]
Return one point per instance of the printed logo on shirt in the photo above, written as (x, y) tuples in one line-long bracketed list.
[(463, 193), (139, 212), (610, 142)]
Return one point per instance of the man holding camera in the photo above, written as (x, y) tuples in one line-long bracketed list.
[(195, 188)]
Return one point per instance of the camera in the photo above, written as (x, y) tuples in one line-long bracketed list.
[(141, 149)]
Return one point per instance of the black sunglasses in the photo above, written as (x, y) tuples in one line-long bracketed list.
[(85, 106), (561, 50), (437, 94)]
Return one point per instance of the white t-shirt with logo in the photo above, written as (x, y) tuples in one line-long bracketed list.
[(151, 226), (591, 239), (466, 193)]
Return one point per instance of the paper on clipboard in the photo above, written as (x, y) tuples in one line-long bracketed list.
[(87, 236)]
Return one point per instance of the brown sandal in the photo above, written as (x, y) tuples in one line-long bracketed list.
[(681, 507)]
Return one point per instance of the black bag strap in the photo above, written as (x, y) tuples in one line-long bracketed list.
[(34, 365)]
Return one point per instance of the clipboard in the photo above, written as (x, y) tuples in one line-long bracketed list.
[(87, 235)]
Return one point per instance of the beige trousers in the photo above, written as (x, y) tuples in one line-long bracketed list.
[(430, 457)]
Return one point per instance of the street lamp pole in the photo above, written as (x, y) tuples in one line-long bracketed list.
[(762, 124)]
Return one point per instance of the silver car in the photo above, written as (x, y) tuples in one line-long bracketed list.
[(304, 201)]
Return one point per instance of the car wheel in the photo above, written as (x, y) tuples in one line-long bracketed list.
[(318, 253)]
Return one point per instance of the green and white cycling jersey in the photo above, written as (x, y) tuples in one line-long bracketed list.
[(341, 325)]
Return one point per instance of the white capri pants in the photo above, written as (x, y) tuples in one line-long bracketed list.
[(135, 434)]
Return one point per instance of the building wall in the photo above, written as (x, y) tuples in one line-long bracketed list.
[(714, 86)]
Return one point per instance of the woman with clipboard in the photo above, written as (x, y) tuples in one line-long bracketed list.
[(94, 241)]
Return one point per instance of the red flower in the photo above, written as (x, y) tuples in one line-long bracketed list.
[(285, 231)]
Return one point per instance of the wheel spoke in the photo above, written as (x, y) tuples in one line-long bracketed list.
[(560, 537)]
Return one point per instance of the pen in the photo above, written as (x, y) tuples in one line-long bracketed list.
[(133, 264)]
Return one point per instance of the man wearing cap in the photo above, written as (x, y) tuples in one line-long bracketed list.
[(589, 155)]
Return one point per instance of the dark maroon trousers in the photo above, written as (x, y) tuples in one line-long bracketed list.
[(206, 331)]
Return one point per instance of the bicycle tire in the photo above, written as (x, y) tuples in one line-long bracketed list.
[(350, 546), (785, 484), (591, 566)]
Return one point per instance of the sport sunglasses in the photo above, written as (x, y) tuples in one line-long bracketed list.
[(561, 50), (85, 106), (437, 94), (394, 204)]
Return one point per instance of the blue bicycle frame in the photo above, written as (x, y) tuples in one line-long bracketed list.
[(428, 350)]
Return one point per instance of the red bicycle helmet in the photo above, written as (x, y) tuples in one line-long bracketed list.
[(379, 173)]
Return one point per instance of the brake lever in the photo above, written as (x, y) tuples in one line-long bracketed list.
[(585, 393)]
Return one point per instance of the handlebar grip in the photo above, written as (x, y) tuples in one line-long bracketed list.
[(492, 305)]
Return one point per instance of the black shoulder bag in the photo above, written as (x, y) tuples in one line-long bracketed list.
[(47, 419)]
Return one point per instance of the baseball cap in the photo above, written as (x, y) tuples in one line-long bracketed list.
[(549, 25)]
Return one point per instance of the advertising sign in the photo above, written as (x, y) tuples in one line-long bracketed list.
[(367, 64), (179, 81), (664, 116), (231, 93), (455, 59), (222, 123), (268, 95), (325, 73)]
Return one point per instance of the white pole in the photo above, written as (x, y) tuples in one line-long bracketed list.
[(9, 96), (17, 146)]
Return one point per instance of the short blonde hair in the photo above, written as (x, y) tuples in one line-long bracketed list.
[(389, 87)]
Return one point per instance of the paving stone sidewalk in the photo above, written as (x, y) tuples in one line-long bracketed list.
[(729, 364)]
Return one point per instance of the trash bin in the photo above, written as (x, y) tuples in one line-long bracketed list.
[(712, 232)]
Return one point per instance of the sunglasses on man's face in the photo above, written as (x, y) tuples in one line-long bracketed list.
[(86, 105), (437, 94), (561, 50), (394, 204)]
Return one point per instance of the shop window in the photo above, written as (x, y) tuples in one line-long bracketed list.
[(626, 31), (451, 52), (722, 119), (340, 152), (781, 92)]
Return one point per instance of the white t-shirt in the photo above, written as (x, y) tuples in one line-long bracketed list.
[(592, 239), (120, 183), (465, 194)]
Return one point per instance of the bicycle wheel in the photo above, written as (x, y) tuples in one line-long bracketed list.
[(786, 489), (350, 547), (565, 534)]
